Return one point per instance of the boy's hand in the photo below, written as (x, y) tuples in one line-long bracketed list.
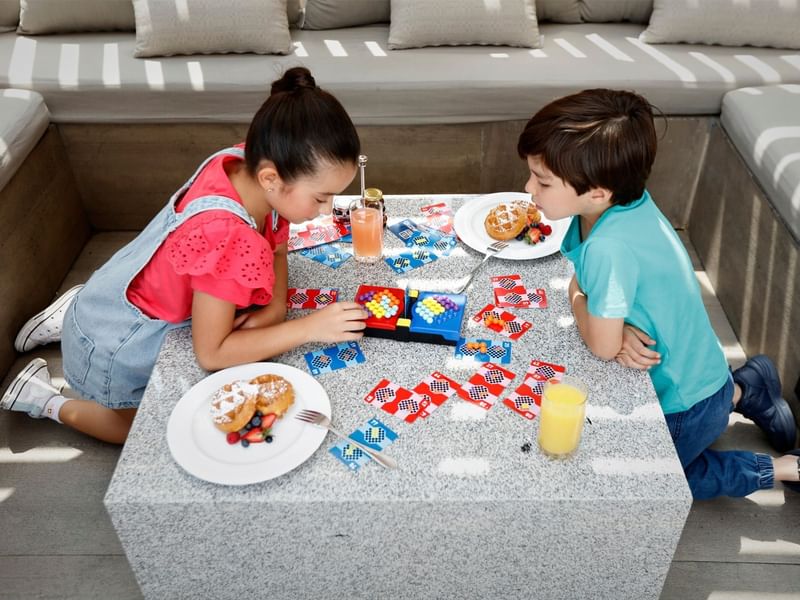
[(634, 353), (337, 322)]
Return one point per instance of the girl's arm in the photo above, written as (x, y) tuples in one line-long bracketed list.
[(274, 312), (218, 345), (602, 336)]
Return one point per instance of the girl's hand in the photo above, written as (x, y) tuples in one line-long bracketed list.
[(338, 322), (634, 353)]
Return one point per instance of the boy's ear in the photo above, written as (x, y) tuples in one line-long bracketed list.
[(600, 196)]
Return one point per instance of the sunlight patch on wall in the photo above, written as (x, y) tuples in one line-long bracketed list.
[(68, 64)]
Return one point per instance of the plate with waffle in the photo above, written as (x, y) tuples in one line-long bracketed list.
[(511, 217), (237, 426)]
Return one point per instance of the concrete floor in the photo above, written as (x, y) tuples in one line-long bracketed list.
[(56, 540)]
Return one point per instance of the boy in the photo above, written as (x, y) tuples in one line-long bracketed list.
[(589, 156)]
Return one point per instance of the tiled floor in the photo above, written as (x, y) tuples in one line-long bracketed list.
[(56, 540)]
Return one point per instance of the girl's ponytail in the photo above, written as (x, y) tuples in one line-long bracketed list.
[(300, 126)]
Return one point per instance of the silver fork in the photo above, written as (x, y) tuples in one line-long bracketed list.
[(320, 420), (491, 250)]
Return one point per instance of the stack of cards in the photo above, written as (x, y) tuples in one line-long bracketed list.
[(438, 216), (485, 386), (334, 358), (410, 405), (509, 292), (373, 434), (480, 350), (425, 244), (527, 398), (502, 322), (316, 233)]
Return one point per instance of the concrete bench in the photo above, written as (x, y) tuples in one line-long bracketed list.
[(745, 222), (42, 223)]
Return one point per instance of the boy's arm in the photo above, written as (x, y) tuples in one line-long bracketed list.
[(602, 336)]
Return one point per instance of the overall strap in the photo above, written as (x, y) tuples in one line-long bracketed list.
[(213, 202), (239, 152)]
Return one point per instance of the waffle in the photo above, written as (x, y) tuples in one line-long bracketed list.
[(274, 395), (505, 221)]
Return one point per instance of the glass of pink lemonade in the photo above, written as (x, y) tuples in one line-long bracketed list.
[(366, 225), (561, 417)]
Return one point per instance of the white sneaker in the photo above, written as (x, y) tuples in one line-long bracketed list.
[(30, 390), (45, 327)]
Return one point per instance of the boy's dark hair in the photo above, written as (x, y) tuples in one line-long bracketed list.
[(298, 126), (595, 138)]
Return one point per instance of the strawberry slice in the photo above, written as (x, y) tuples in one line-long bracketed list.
[(254, 436), (267, 420)]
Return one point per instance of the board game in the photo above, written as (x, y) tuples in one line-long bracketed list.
[(412, 316)]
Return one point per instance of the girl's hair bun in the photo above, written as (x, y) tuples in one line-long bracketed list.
[(293, 80)]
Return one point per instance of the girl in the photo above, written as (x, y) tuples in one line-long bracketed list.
[(219, 245)]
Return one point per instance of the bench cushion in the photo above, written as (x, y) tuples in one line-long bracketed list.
[(23, 121), (764, 125), (95, 78)]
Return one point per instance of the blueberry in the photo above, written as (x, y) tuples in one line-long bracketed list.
[(245, 443), (248, 427), (268, 439), (255, 421), (259, 413)]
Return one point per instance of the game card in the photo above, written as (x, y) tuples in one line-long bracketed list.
[(509, 291), (525, 401), (406, 230), (545, 370), (438, 216), (330, 255), (434, 391), (334, 358), (310, 298), (537, 298), (485, 386), (314, 235), (372, 434), (395, 400), (409, 260), (480, 350), (502, 322)]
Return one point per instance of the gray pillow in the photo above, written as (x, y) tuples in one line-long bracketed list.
[(615, 11), (774, 23), (56, 16), (333, 14), (211, 27), (294, 11), (417, 23), (9, 15), (558, 11)]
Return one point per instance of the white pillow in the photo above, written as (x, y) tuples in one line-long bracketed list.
[(294, 11), (166, 27), (558, 11), (333, 14), (615, 11), (417, 23), (9, 15), (56, 16), (774, 23)]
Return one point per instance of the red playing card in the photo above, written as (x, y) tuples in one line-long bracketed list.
[(440, 208), (395, 400), (435, 390), (509, 291), (525, 400), (310, 298), (537, 298), (314, 235), (545, 369), (484, 387), (502, 322)]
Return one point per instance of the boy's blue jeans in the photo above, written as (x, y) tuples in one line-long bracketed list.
[(712, 473)]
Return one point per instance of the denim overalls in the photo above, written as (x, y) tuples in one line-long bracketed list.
[(109, 346)]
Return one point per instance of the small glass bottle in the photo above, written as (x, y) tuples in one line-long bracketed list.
[(373, 197)]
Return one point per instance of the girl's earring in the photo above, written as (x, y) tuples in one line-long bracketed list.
[(269, 190)]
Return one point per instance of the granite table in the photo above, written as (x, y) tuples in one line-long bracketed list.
[(474, 510)]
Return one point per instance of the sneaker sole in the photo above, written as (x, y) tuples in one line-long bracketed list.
[(12, 393), (21, 341)]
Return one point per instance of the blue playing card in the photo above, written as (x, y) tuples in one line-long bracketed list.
[(496, 352), (411, 259), (334, 358), (406, 230), (330, 255), (372, 434)]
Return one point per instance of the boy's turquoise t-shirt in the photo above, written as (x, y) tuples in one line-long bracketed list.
[(633, 266)]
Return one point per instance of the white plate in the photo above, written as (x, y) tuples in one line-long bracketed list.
[(468, 223), (201, 449)]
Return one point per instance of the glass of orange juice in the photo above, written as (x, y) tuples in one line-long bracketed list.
[(366, 225), (561, 416)]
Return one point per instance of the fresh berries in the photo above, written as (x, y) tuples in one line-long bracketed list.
[(255, 436), (233, 437), (268, 420), (256, 431), (534, 233)]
